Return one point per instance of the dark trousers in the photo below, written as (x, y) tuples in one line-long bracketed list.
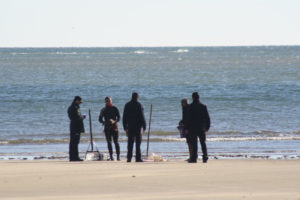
[(137, 138), (194, 145), (188, 141), (109, 135), (73, 147)]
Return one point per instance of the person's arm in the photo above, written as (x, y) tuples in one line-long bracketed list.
[(125, 125), (207, 119), (101, 116), (80, 116), (143, 120), (180, 122), (70, 113), (74, 114), (118, 115)]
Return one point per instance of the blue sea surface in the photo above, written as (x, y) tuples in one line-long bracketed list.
[(252, 95)]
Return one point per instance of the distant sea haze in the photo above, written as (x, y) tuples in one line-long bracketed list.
[(252, 95)]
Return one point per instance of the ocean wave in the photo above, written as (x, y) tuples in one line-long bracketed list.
[(30, 141), (139, 52), (82, 140), (143, 52), (167, 133), (49, 53), (19, 53), (181, 51), (234, 133), (234, 139), (64, 53), (153, 139), (226, 139), (173, 133), (163, 133)]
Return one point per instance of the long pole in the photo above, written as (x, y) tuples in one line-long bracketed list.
[(149, 130), (91, 134)]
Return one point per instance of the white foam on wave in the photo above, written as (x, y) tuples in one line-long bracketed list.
[(228, 139), (139, 52), (181, 51), (224, 139), (22, 53), (65, 53)]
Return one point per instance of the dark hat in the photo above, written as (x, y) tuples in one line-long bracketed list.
[(77, 98)]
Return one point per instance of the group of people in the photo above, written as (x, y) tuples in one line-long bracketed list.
[(133, 123), (195, 121)]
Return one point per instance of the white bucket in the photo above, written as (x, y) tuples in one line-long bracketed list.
[(94, 156), (154, 158)]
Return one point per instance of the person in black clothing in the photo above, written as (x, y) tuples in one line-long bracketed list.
[(133, 122), (198, 124), (76, 128), (183, 124), (111, 116)]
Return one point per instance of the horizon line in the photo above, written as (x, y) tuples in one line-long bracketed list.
[(187, 46)]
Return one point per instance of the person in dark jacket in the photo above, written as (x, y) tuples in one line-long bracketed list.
[(133, 122), (198, 124), (111, 116), (183, 124), (76, 128)]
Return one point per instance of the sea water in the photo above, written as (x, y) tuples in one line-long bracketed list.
[(252, 95)]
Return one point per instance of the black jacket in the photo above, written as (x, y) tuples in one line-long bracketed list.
[(198, 118), (109, 112), (133, 116), (76, 124)]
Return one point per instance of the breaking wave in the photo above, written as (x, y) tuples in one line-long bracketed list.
[(65, 53), (181, 51), (226, 139), (152, 139), (139, 52)]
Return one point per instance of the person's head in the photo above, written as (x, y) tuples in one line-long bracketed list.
[(195, 96), (135, 96), (108, 101), (77, 100), (184, 102)]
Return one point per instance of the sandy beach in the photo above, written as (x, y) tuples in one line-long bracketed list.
[(175, 179)]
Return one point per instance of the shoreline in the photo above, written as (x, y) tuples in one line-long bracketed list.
[(170, 157), (273, 150), (176, 179)]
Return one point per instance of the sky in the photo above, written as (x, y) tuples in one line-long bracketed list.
[(147, 23)]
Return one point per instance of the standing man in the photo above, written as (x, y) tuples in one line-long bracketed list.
[(133, 122), (76, 128), (198, 124), (111, 116)]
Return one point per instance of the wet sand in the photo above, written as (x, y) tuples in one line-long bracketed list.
[(175, 179)]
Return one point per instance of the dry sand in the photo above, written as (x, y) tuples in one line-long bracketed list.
[(174, 180)]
